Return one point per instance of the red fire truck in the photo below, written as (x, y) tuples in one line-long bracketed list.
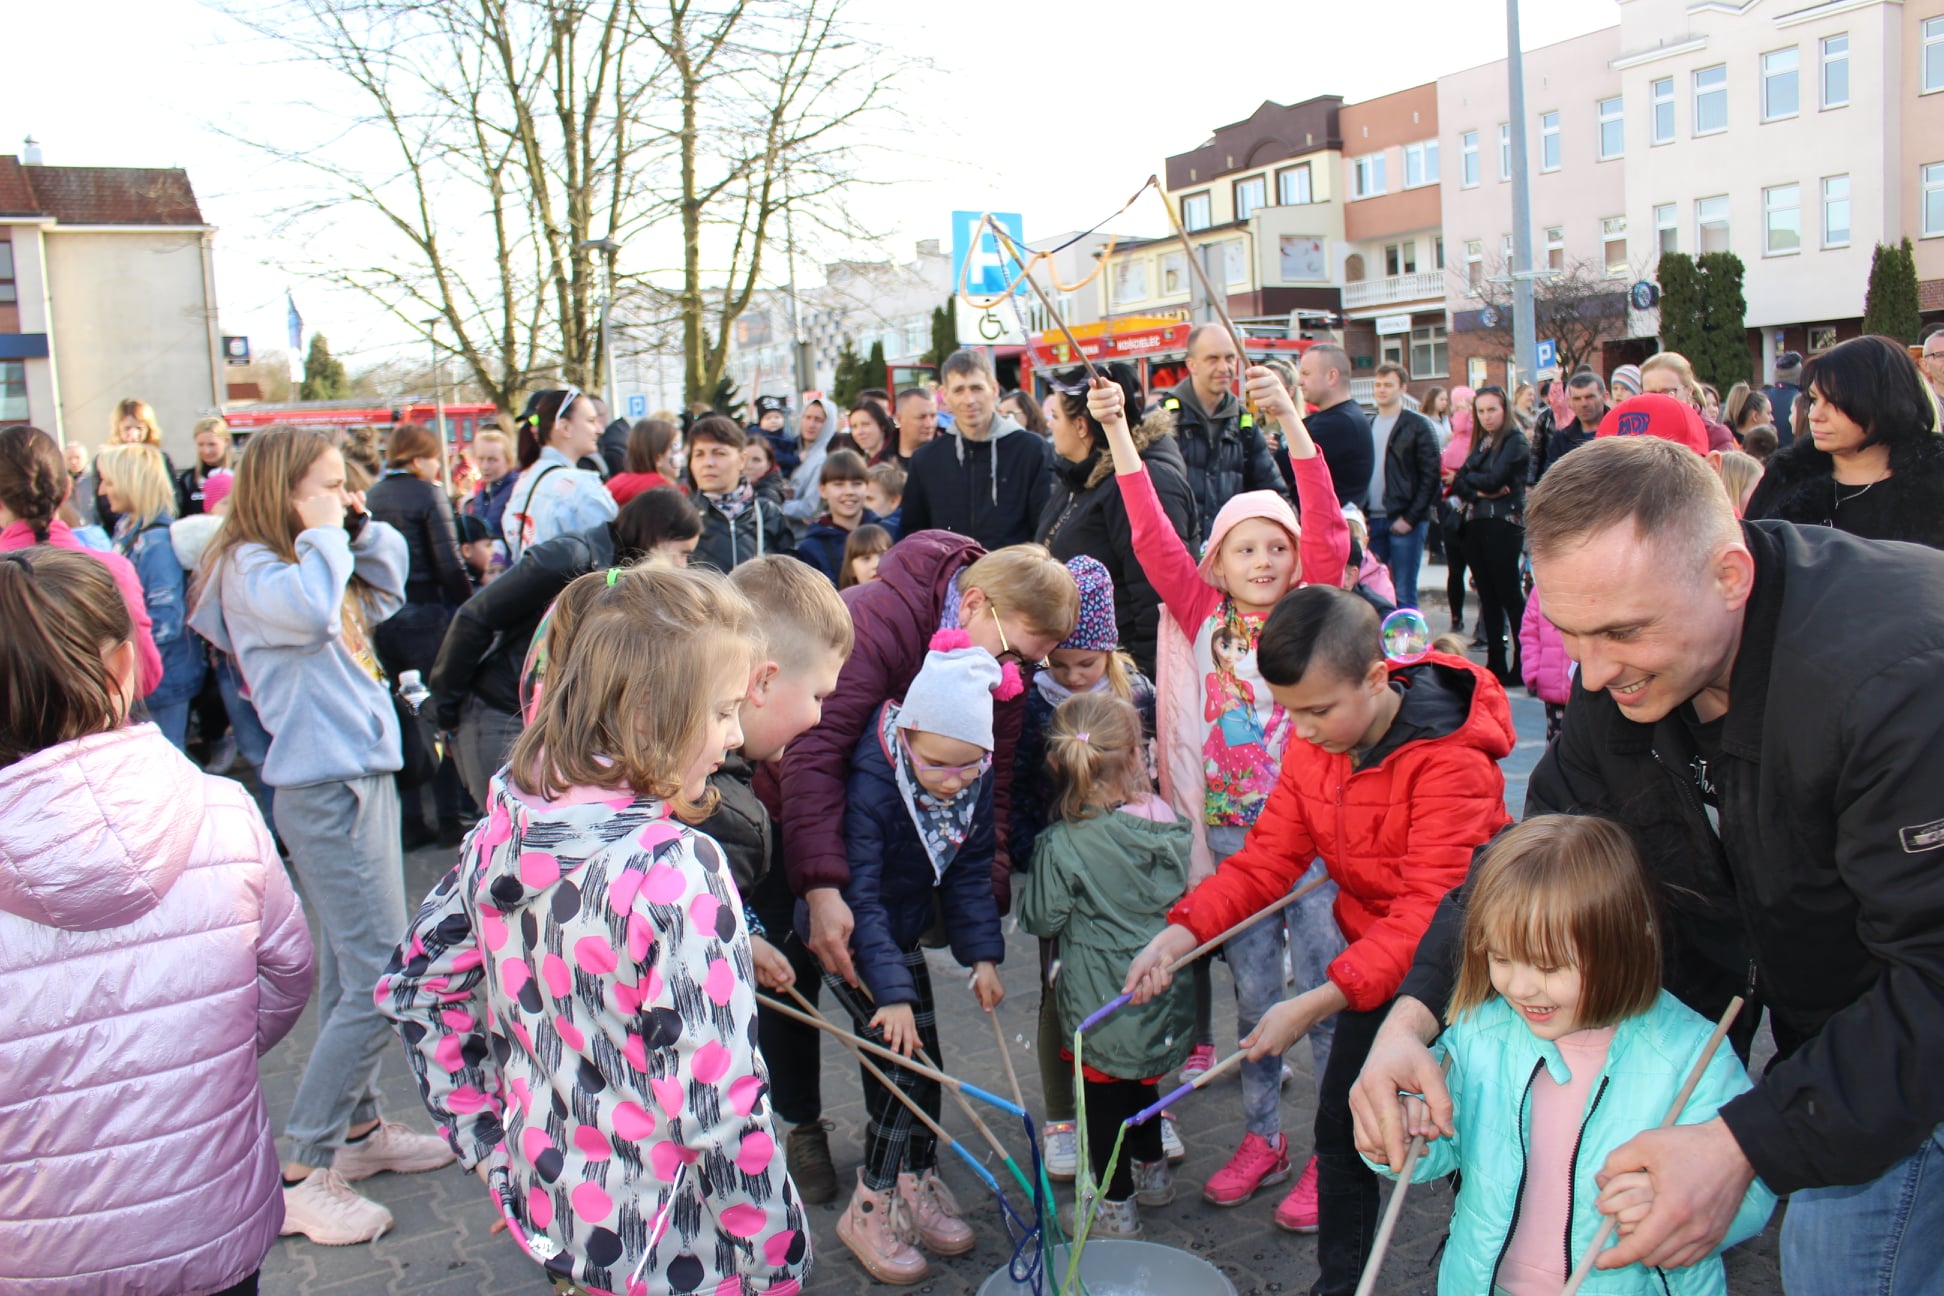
[(1156, 347), (463, 422)]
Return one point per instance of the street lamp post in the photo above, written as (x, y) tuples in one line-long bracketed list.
[(610, 249), (438, 404), (1523, 329)]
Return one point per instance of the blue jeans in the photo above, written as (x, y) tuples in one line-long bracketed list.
[(172, 718), (1403, 554), (252, 739), (1882, 1238)]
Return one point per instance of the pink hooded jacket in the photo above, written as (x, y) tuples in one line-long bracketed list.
[(151, 950), (1548, 671)]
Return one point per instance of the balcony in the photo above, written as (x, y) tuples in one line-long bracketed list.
[(1422, 286)]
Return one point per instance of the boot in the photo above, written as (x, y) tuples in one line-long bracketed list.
[(1111, 1219), (936, 1213), (877, 1240), (806, 1152)]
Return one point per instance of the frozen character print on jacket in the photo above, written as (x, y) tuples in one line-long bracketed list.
[(577, 1001), (1245, 738)]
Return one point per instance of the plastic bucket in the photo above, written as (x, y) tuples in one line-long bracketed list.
[(1114, 1267)]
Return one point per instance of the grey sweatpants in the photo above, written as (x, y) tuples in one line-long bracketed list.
[(343, 840), (480, 749)]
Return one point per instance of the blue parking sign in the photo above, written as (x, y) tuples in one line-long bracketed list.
[(637, 407), (1546, 354), (992, 267)]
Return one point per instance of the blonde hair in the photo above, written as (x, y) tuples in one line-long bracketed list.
[(142, 478), (504, 441), (1121, 670), (139, 410), (627, 699), (1097, 755), (1560, 891), (1739, 473), (1028, 580), (1676, 363), (214, 423), (1450, 644), (801, 614)]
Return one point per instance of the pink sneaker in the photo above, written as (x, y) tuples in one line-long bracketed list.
[(1199, 1062), (1298, 1210), (1256, 1164)]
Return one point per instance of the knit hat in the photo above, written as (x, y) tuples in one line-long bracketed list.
[(1788, 367), (470, 528), (1095, 630), (216, 488), (952, 695), (1626, 381), (1658, 416)]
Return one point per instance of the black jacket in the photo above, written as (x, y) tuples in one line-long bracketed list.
[(1223, 450), (1411, 469), (725, 545), (1086, 515), (740, 825), (487, 642), (951, 487), (613, 448), (1486, 470), (189, 489), (824, 543), (1782, 399), (1826, 881), (1799, 486), (1342, 436), (420, 512), (1552, 444)]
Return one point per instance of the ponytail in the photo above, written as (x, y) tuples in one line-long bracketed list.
[(62, 611), (33, 478), (1094, 749)]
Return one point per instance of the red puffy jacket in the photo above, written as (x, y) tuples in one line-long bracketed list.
[(1395, 834)]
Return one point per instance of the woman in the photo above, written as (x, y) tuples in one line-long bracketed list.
[(871, 429), (1746, 407), (475, 681), (132, 423), (1492, 483), (409, 498), (137, 486), (1710, 403), (1436, 406), (1872, 464), (815, 429), (212, 456), (1525, 404), (1451, 511), (1085, 513), (654, 459), (1025, 411), (554, 496)]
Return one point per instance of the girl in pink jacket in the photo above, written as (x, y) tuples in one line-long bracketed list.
[(1547, 669), (151, 950)]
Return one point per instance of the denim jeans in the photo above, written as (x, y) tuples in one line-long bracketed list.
[(172, 718), (1403, 554), (252, 739), (1882, 1238)]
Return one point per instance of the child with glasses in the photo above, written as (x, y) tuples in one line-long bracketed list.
[(919, 826)]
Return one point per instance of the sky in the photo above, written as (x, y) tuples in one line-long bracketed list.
[(1057, 110)]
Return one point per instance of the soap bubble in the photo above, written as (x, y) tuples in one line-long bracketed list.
[(1407, 636), (1019, 1039)]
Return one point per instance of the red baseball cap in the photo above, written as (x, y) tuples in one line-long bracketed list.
[(1658, 416)]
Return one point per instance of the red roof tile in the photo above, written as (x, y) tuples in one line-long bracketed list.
[(99, 195), (16, 194)]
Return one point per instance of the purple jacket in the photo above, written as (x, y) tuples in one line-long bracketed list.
[(151, 949)]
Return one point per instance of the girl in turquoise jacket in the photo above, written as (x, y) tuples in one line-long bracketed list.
[(1562, 1046)]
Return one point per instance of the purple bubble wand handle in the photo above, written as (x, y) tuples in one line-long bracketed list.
[(1209, 1076), (1103, 1012)]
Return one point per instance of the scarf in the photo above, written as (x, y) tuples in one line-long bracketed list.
[(731, 503), (1055, 692), (942, 826)]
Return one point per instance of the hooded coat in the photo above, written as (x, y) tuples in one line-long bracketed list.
[(1799, 485), (151, 950), (823, 544), (993, 490), (805, 502)]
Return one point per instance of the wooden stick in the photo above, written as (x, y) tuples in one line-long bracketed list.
[(1368, 1283), (1219, 303), (889, 1055), (1012, 1076), (1221, 1068), (1585, 1266)]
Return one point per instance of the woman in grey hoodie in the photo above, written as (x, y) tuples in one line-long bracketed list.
[(292, 586), (805, 503)]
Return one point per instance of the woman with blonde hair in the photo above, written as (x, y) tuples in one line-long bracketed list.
[(137, 486), (212, 456), (132, 423)]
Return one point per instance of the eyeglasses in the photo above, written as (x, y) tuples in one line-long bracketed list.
[(959, 773), (1006, 652)]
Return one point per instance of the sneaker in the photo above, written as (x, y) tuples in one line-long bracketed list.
[(330, 1212), (1288, 1074), (1199, 1062), (877, 1240), (1153, 1185), (1298, 1210), (222, 757), (391, 1147), (1060, 1150), (1111, 1219), (1171, 1147), (1258, 1163), (806, 1154), (936, 1213)]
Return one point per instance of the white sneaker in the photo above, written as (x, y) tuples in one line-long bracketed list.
[(1060, 1150), (1111, 1219), (392, 1147), (1287, 1076), (1153, 1185), (223, 757), (1171, 1146), (330, 1212)]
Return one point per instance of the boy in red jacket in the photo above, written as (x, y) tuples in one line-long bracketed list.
[(1395, 784)]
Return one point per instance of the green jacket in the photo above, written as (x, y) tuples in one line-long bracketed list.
[(1102, 887), (1494, 1060)]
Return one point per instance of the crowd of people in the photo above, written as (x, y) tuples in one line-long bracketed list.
[(712, 713)]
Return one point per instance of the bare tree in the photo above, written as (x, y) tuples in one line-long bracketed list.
[(1578, 307)]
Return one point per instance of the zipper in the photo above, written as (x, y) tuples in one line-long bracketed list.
[(1518, 1198), (1572, 1171), (1692, 799)]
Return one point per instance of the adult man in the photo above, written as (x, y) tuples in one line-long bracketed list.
[(1782, 395), (1668, 373), (1587, 400), (1338, 426), (1404, 485), (982, 480), (1933, 361), (1768, 736), (1219, 439), (492, 455), (917, 423)]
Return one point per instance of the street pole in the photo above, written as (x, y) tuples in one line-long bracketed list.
[(610, 249), (1524, 343), (438, 404), (799, 351)]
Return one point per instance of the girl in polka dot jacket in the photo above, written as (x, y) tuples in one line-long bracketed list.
[(576, 997)]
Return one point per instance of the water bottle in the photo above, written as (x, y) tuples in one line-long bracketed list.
[(412, 690)]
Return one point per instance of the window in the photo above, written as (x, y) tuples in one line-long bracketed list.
[(1468, 159), (1428, 354), (1933, 55), (1474, 265), (13, 391), (1249, 195), (1711, 224), (1195, 213), (1475, 372), (1711, 100), (1555, 247), (8, 292), (1613, 236), (1130, 281), (1437, 253), (1420, 164), (1400, 258), (1836, 211), (1549, 141), (1835, 71), (1505, 151), (1174, 274), (1505, 253), (1235, 261), (1781, 84), (1613, 128), (1293, 186), (1667, 234), (1782, 220), (1661, 110), (1368, 178), (1390, 349), (1303, 258), (1933, 199)]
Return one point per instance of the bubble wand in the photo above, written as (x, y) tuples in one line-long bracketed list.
[(1219, 304), (889, 1055), (1395, 1207)]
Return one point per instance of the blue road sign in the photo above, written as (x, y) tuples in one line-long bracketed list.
[(637, 407), (992, 268)]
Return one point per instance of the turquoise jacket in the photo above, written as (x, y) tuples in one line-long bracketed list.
[(1494, 1060)]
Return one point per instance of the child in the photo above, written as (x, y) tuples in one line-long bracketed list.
[(1222, 734), (841, 483), (575, 995), (919, 826), (476, 548), (1363, 574), (884, 495), (759, 465), (152, 949), (137, 487), (862, 551), (291, 586), (1563, 1046), (1547, 670), (1394, 784), (1740, 474), (1104, 877)]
